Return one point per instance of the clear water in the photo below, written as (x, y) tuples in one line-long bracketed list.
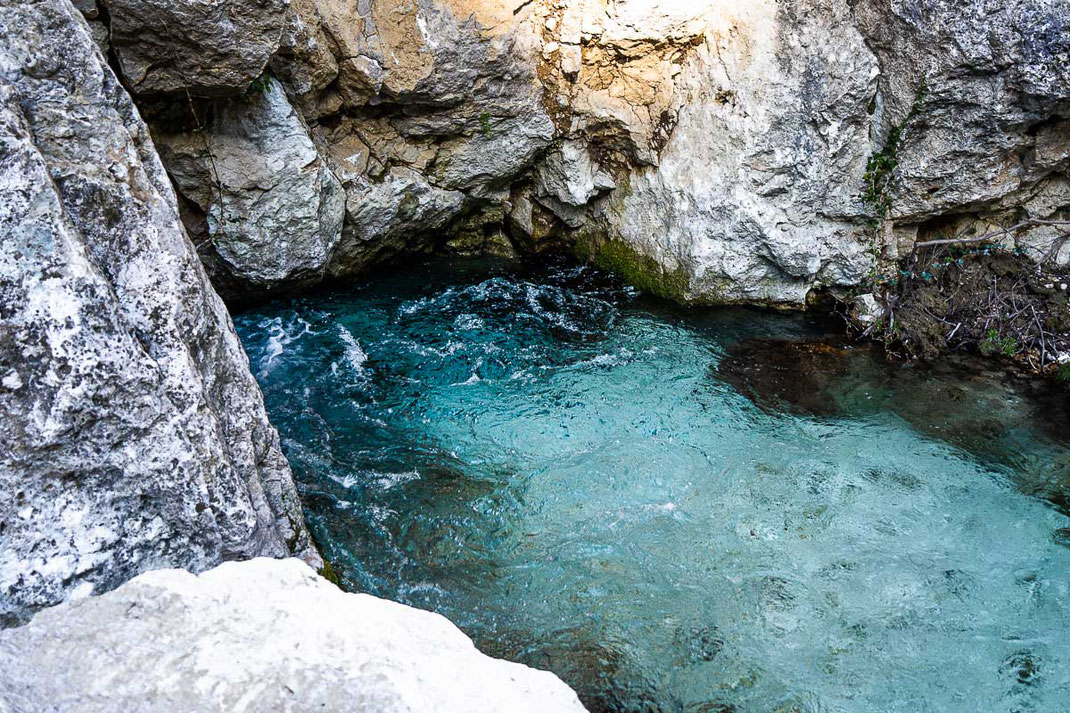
[(613, 489)]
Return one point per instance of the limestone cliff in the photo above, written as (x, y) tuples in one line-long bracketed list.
[(719, 151), (132, 434)]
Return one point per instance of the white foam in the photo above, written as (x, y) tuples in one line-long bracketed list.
[(355, 354)]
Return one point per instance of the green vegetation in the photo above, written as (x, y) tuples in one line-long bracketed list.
[(638, 270), (259, 86), (484, 123), (883, 163), (1062, 374), (329, 573), (994, 344)]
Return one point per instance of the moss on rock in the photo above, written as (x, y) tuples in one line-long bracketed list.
[(637, 269)]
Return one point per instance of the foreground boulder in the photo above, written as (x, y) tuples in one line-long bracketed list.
[(132, 435), (172, 641)]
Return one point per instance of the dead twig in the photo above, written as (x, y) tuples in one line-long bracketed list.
[(990, 237)]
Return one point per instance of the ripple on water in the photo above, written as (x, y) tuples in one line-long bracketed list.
[(678, 511)]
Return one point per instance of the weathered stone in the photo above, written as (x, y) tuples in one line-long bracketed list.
[(569, 179), (499, 149), (979, 89), (305, 61), (396, 214), (274, 210), (172, 641), (208, 47), (755, 195), (132, 435), (726, 144)]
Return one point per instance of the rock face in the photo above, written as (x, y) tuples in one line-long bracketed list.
[(208, 47), (132, 435), (713, 152), (753, 196), (981, 92), (170, 640), (272, 210)]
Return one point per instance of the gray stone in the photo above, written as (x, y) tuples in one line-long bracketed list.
[(263, 635), (274, 210), (754, 198), (499, 149), (569, 179), (208, 47), (132, 435), (992, 86), (394, 215), (724, 143)]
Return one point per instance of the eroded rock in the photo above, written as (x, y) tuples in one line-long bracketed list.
[(206, 47), (758, 152), (132, 435), (273, 208)]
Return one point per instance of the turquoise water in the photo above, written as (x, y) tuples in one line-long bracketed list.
[(678, 511)]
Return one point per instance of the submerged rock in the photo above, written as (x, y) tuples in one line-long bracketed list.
[(132, 434), (169, 640)]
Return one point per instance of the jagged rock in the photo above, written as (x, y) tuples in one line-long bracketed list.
[(982, 90), (274, 210), (755, 195), (305, 61), (500, 149), (172, 641), (208, 47), (132, 435), (393, 215), (725, 146), (569, 179)]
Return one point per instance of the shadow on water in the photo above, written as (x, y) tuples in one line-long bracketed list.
[(1019, 424)]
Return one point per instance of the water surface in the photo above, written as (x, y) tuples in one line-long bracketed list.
[(678, 511)]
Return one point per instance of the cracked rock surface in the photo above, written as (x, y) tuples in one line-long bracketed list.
[(715, 152)]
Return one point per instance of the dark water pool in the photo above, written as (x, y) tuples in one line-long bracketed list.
[(705, 511)]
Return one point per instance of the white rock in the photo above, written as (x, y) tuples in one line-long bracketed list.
[(274, 208), (263, 635), (138, 438)]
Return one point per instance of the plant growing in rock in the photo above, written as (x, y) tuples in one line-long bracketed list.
[(995, 344), (882, 164), (259, 86)]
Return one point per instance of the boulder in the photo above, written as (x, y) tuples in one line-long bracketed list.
[(273, 209), (172, 641), (206, 47), (132, 434)]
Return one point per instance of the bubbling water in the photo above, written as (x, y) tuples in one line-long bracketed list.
[(632, 495)]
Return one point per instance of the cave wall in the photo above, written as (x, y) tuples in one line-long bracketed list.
[(715, 152)]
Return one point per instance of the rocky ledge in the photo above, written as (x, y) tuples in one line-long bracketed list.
[(262, 635), (763, 152)]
